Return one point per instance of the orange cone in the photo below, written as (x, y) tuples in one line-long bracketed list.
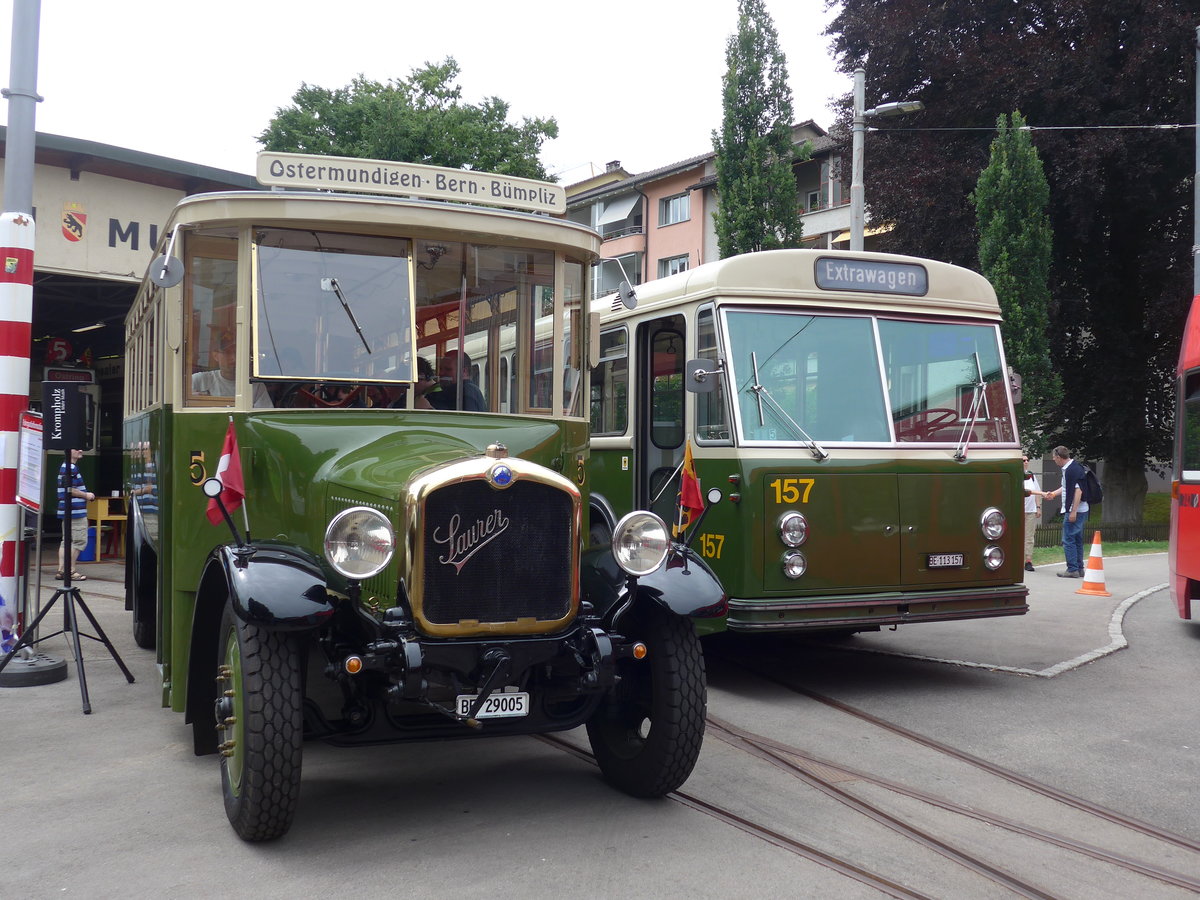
[(1093, 572)]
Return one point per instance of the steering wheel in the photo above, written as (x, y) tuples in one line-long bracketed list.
[(300, 397), (938, 416)]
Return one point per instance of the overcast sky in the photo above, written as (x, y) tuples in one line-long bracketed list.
[(632, 80)]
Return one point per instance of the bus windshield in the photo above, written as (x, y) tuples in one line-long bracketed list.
[(800, 377), (333, 306)]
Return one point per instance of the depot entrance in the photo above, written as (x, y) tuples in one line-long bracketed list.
[(78, 323), (99, 210)]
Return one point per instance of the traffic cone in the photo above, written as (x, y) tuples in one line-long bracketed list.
[(1093, 572)]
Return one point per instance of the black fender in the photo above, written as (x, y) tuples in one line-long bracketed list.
[(274, 587), (683, 584)]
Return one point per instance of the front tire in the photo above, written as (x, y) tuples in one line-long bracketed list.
[(647, 734), (141, 586), (599, 534), (260, 722)]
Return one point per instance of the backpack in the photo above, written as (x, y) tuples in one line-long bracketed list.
[(1092, 491)]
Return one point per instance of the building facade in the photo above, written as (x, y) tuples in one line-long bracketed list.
[(660, 222)]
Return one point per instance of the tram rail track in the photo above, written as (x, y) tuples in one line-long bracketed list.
[(807, 770), (1010, 775), (823, 775), (763, 832)]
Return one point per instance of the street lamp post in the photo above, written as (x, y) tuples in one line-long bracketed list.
[(857, 210), (1196, 187)]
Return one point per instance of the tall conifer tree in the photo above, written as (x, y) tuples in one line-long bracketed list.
[(1015, 247), (758, 208)]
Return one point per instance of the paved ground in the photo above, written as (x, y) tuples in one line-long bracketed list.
[(1063, 629), (114, 804)]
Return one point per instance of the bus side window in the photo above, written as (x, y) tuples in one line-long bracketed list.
[(666, 389), (1189, 433), (210, 298), (712, 413), (610, 384)]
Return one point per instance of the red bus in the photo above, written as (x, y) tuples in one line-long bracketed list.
[(1184, 552)]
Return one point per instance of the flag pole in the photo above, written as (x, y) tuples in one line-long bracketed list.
[(245, 516)]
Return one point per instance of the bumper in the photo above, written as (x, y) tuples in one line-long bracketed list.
[(872, 611), (408, 685)]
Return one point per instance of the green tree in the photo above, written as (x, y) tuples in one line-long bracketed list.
[(1122, 213), (758, 207), (419, 119), (1015, 238)]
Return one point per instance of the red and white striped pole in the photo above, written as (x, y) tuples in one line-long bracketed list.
[(16, 312), (16, 280)]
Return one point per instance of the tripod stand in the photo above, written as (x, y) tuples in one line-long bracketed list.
[(71, 600)]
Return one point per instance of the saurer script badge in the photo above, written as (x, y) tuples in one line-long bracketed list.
[(462, 543)]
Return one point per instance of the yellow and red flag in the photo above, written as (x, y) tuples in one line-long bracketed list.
[(229, 472), (691, 498)]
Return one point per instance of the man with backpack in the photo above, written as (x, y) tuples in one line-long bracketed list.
[(1074, 509)]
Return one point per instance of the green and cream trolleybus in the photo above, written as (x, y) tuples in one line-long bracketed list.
[(850, 420), (356, 442)]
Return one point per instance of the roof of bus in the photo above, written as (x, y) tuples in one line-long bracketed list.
[(780, 275), (452, 221), (1189, 348)]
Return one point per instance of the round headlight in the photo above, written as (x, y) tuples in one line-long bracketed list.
[(794, 564), (793, 529), (993, 557), (992, 523), (640, 542), (359, 542)]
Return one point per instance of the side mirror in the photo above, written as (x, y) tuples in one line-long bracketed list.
[(166, 271), (700, 375), (1014, 379), (627, 295)]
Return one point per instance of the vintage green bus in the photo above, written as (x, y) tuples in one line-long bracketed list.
[(330, 542), (851, 418)]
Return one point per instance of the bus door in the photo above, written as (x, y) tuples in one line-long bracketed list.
[(1182, 557), (660, 431)]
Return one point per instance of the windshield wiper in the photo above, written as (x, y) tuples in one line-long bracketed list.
[(964, 440), (331, 284), (761, 393)]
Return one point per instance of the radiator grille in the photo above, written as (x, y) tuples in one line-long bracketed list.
[(494, 555)]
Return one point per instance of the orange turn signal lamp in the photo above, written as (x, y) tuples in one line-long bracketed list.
[(353, 665), (640, 650)]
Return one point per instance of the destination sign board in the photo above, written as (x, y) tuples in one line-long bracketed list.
[(378, 176), (875, 276)]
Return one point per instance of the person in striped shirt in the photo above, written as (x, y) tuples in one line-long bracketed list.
[(71, 483)]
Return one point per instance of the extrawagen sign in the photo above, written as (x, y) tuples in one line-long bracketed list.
[(871, 275), (377, 176)]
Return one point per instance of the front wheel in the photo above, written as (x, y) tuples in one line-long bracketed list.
[(599, 533), (647, 733), (141, 581), (260, 727)]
